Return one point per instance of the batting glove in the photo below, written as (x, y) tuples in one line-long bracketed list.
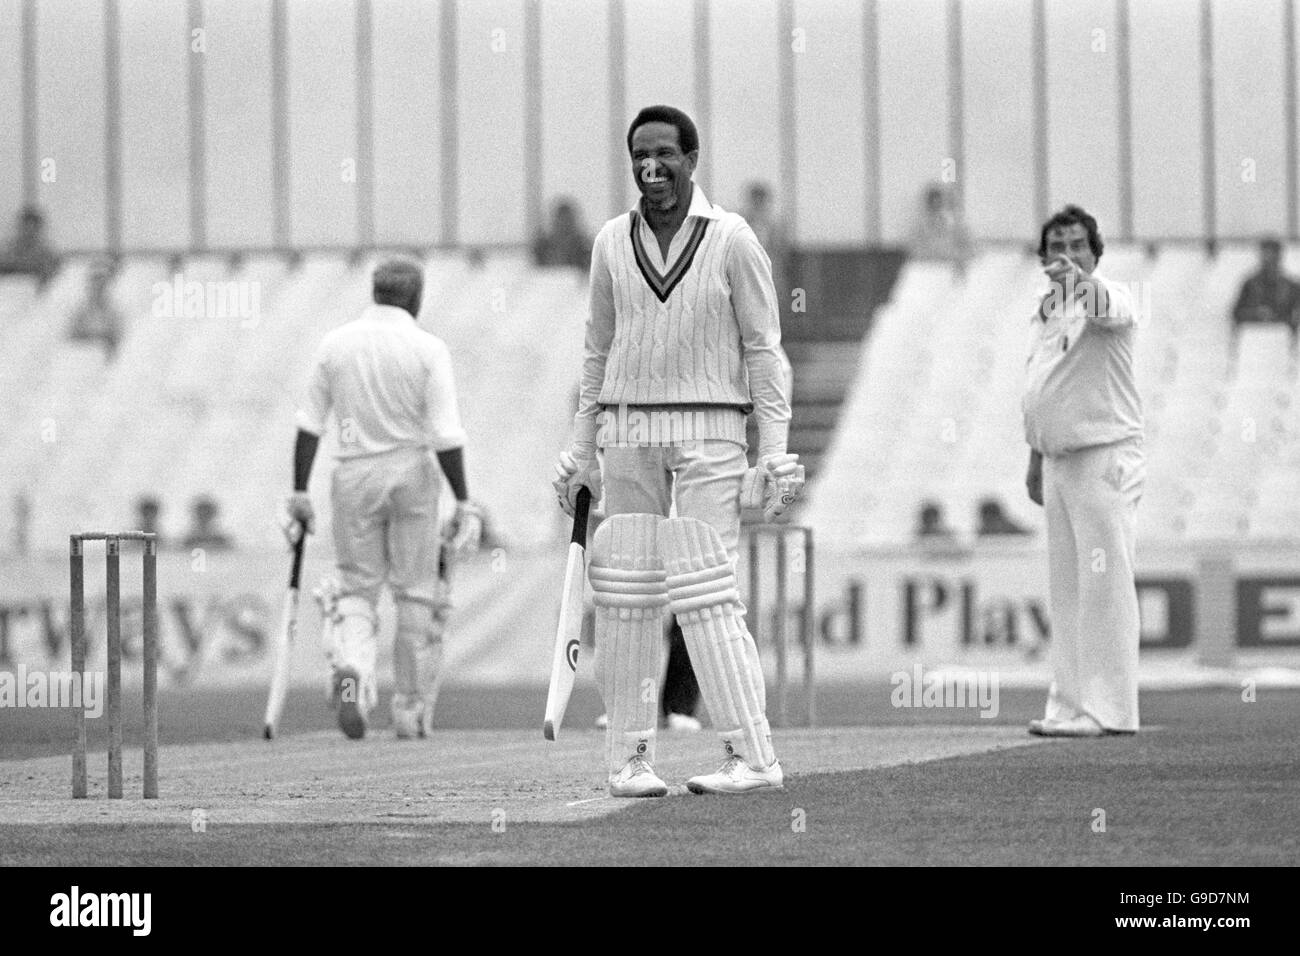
[(572, 473), (773, 485), (302, 517), (465, 529)]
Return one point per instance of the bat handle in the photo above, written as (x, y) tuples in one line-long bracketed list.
[(581, 509), (295, 575)]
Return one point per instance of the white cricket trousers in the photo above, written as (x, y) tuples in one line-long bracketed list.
[(640, 480), (386, 531), (1091, 499), (386, 525)]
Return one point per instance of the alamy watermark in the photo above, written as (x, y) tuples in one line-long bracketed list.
[(233, 299), (38, 688), (133, 911), (1136, 294), (624, 427), (948, 689)]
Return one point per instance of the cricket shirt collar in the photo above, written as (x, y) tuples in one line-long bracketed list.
[(646, 251)]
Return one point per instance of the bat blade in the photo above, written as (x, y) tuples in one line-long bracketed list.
[(282, 647), (281, 650), (564, 659)]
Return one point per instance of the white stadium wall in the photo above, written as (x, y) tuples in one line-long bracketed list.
[(847, 107)]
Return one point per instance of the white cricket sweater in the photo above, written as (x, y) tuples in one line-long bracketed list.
[(699, 334)]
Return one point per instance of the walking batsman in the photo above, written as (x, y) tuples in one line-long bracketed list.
[(389, 384), (1083, 422), (682, 342)]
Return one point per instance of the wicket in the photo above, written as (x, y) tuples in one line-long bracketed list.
[(77, 627), (807, 617)]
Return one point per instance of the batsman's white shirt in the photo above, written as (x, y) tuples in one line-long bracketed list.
[(1080, 390), (389, 384)]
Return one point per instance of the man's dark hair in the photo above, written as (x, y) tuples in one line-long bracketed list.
[(1072, 216), (398, 281), (1270, 244), (687, 137)]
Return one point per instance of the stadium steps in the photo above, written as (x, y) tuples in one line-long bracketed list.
[(823, 374)]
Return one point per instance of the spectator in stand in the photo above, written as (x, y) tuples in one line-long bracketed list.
[(147, 511), (204, 533), (931, 525), (771, 234), (566, 243), (934, 538), (28, 253), (1269, 295), (98, 318), (22, 522), (942, 234), (993, 520)]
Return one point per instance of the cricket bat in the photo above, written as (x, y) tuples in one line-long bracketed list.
[(282, 646), (564, 662)]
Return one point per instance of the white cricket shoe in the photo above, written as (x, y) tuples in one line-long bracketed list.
[(426, 719), (1081, 726), (350, 700), (736, 776), (683, 724), (637, 779), (408, 715)]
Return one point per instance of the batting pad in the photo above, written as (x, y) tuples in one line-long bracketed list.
[(354, 634), (702, 594), (417, 652), (354, 637), (627, 581)]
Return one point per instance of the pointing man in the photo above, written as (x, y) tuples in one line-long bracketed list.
[(1083, 422)]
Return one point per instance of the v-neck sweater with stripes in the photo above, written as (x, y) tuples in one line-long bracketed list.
[(702, 336)]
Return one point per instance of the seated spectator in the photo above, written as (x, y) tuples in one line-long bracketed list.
[(942, 234), (28, 253), (98, 319), (147, 511), (932, 524), (565, 243), (771, 235), (204, 533), (22, 521), (993, 521), (1269, 295)]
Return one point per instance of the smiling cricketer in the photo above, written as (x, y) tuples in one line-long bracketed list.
[(683, 341)]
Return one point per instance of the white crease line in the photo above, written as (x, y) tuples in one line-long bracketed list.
[(578, 803), (339, 750)]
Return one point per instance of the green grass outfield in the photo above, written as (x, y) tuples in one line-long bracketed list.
[(1213, 780)]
